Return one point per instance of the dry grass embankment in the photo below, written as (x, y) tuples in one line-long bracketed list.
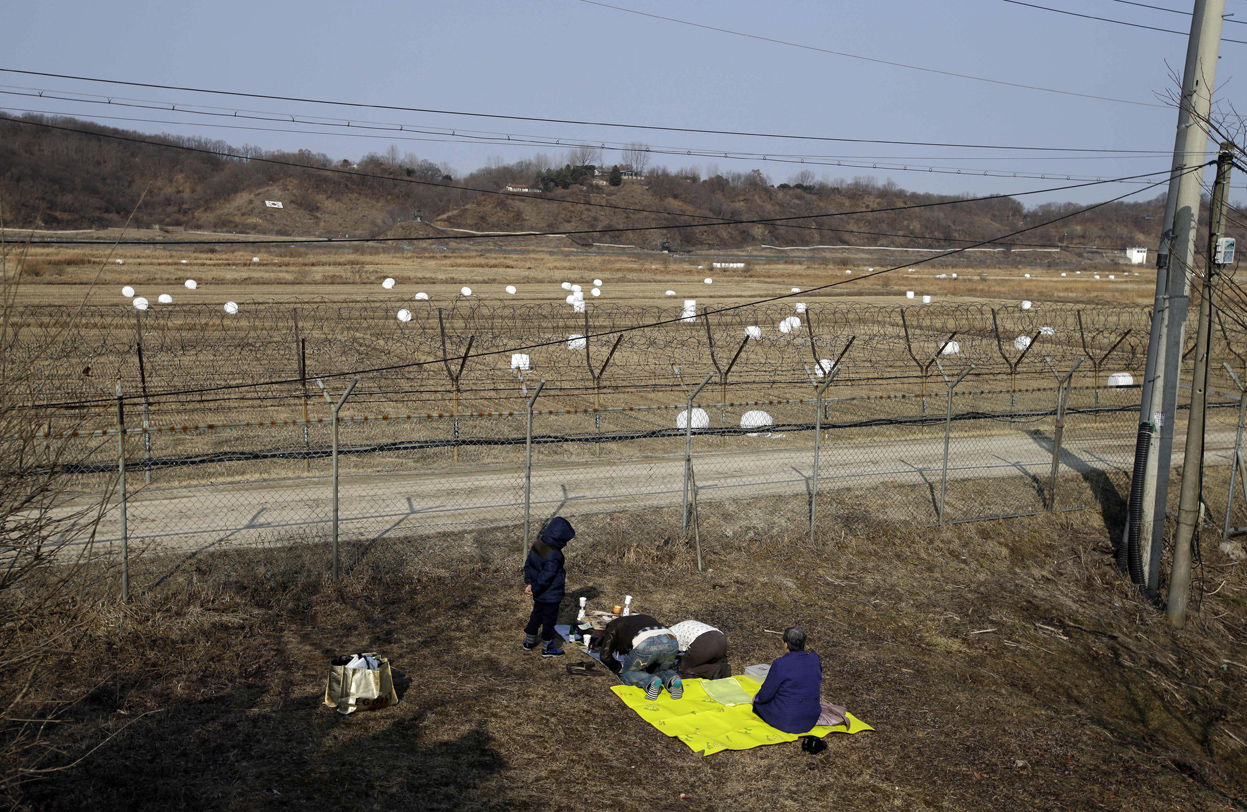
[(1003, 664)]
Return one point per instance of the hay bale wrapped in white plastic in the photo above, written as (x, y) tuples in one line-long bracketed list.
[(689, 313), (521, 361), (1021, 342), (824, 368), (576, 341), (951, 348), (756, 419), (1119, 379), (754, 332), (701, 420)]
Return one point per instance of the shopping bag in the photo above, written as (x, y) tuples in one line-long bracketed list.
[(359, 682)]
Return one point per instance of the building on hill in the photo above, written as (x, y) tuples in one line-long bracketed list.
[(519, 188), (1137, 256)]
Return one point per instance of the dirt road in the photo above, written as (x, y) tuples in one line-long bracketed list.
[(381, 505)]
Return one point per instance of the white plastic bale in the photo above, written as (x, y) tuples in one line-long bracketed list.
[(388, 283), (140, 303), (231, 307), (754, 332), (404, 315), (951, 348), (520, 361), (422, 296), (1120, 379), (756, 419), (689, 311), (800, 307), (127, 292), (576, 341), (1021, 342), (465, 291), (824, 368), (191, 284), (701, 420), (164, 298), (511, 289)]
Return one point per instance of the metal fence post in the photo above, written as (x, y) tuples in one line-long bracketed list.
[(121, 471), (948, 425), (337, 571), (1058, 429), (818, 434), (688, 451), (1237, 459), (528, 467)]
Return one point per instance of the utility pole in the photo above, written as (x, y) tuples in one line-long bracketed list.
[(1149, 498), (1193, 461)]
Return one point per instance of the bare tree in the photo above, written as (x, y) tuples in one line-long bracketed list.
[(585, 155), (637, 156), (803, 178)]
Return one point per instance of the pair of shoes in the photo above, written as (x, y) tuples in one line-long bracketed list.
[(676, 688), (654, 689), (813, 744), (530, 642), (551, 649)]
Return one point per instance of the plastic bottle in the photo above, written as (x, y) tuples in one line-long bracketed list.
[(627, 610)]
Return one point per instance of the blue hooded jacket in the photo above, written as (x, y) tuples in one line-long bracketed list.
[(546, 575)]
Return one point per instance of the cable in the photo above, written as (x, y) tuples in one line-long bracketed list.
[(614, 331), (1110, 20), (867, 58), (578, 122), (460, 135), (1173, 11), (803, 160)]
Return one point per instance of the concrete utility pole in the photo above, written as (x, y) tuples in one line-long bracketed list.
[(1177, 250), (1193, 461)]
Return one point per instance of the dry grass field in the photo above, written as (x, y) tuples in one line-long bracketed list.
[(1003, 664)]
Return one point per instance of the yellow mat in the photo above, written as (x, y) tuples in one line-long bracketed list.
[(709, 727)]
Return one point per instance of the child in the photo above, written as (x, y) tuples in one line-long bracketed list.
[(544, 578)]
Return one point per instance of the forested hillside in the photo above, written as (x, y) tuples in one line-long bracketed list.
[(88, 176)]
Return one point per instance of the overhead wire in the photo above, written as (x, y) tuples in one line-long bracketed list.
[(1224, 19), (552, 120), (1110, 20), (616, 330), (876, 60), (498, 137)]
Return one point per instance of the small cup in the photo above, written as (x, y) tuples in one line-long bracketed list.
[(616, 610)]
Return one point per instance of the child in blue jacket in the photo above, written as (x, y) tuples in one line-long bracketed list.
[(544, 578)]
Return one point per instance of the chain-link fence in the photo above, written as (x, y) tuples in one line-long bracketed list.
[(280, 489)]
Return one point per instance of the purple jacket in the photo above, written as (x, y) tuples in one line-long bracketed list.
[(789, 698)]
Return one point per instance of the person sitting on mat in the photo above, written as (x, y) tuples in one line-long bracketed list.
[(704, 648), (649, 652), (789, 697)]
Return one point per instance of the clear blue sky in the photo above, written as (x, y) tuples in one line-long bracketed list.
[(570, 59)]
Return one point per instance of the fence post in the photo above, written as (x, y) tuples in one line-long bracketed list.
[(688, 451), (1236, 460), (528, 467), (147, 437), (948, 425), (1058, 429), (121, 471), (818, 434), (337, 571)]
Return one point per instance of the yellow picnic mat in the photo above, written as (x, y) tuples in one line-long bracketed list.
[(708, 727)]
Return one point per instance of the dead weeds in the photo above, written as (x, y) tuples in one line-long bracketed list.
[(1003, 664)]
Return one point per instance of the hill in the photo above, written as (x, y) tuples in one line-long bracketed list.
[(83, 175)]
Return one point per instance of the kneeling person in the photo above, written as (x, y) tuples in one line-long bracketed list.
[(705, 650), (649, 652)]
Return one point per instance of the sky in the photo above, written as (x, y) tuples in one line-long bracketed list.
[(810, 68)]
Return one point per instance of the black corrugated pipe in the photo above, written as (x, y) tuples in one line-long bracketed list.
[(1128, 554)]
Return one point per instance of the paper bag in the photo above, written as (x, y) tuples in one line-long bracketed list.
[(359, 682)]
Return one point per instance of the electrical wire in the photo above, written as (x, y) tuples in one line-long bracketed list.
[(460, 135), (1173, 11), (613, 331), (1117, 22), (578, 122), (802, 160), (875, 60)]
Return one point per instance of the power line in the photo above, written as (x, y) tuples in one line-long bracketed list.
[(577, 122), (622, 330), (1107, 20), (460, 135), (1224, 19), (716, 222), (876, 60)]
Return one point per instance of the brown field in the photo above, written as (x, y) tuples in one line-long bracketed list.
[(1004, 664)]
